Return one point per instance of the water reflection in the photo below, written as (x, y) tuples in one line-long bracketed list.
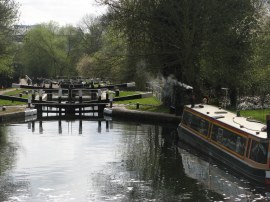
[(83, 160)]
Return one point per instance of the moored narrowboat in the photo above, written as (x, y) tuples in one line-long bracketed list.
[(238, 142)]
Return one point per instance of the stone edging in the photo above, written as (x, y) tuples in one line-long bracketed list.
[(121, 112), (18, 115)]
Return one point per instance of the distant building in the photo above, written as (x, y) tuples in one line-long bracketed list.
[(20, 31)]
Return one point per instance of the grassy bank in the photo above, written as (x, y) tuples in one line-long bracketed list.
[(13, 92), (258, 114), (145, 104)]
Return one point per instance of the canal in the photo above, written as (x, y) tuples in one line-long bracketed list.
[(84, 160)]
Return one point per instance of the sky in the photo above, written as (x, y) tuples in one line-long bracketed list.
[(61, 11)]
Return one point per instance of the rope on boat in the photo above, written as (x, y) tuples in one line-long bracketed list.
[(245, 127)]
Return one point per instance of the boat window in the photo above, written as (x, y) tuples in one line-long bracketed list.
[(229, 139), (259, 151), (196, 123), (187, 118)]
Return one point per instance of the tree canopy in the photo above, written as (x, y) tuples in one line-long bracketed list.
[(8, 15)]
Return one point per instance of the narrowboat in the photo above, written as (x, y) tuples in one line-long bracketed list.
[(238, 142)]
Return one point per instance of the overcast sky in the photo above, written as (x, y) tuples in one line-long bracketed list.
[(61, 11)]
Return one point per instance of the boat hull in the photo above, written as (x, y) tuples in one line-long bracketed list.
[(256, 175)]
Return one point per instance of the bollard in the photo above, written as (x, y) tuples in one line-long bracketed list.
[(3, 108), (137, 105)]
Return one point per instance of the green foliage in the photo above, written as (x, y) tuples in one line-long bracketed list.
[(8, 15), (109, 61), (199, 42), (49, 51)]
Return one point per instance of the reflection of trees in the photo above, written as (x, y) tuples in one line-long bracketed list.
[(150, 168), (7, 157), (7, 151)]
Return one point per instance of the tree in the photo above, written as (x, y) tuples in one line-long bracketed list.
[(258, 81), (108, 61), (227, 43), (48, 50), (196, 41), (8, 15)]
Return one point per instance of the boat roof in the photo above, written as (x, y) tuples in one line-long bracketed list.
[(245, 124)]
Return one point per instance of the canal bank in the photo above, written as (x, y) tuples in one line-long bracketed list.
[(124, 113), (15, 113)]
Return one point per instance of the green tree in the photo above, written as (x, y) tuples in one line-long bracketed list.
[(108, 61), (8, 15), (196, 41), (227, 43), (47, 50), (258, 82)]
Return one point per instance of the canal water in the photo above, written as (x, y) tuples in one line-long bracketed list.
[(84, 160)]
